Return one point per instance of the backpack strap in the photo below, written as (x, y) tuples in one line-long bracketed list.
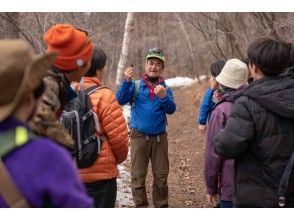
[(10, 192), (137, 87), (93, 89), (9, 141), (13, 139), (284, 182), (90, 91)]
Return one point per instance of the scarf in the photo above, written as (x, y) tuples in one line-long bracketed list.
[(217, 96), (151, 86)]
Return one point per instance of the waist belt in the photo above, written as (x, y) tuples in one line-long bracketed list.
[(135, 134)]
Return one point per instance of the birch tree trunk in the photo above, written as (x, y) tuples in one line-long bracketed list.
[(182, 25), (125, 47)]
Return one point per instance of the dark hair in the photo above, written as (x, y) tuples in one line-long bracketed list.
[(216, 67), (269, 55), (245, 60), (98, 62)]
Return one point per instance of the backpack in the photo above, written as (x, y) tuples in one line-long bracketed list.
[(9, 141), (286, 186), (82, 124)]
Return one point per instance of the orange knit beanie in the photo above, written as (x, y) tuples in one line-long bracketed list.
[(73, 46)]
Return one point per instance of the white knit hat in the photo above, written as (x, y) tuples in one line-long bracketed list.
[(234, 74)]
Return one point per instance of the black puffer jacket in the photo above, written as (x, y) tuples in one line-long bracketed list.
[(260, 136)]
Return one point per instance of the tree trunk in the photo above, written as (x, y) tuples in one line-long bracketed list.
[(182, 25), (129, 26), (12, 29)]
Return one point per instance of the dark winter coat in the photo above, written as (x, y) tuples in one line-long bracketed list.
[(259, 135)]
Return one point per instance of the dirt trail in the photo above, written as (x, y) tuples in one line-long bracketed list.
[(186, 150)]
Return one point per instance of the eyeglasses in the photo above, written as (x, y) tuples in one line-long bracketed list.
[(156, 51)]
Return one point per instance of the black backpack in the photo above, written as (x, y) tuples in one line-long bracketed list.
[(82, 123), (286, 187)]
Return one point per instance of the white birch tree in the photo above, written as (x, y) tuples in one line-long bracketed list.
[(125, 47), (182, 25)]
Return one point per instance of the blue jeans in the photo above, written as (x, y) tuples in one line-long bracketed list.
[(226, 204)]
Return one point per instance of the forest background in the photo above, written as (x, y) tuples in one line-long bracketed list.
[(191, 41)]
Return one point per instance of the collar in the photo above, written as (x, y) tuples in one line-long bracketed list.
[(151, 86), (145, 78), (91, 80), (11, 123)]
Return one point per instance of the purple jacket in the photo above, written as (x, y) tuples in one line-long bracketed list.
[(219, 173), (44, 172)]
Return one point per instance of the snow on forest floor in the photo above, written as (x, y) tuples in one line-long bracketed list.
[(183, 81), (124, 192)]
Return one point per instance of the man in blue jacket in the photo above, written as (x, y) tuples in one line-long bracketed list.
[(151, 100)]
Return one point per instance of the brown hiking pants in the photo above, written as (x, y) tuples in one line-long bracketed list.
[(144, 148)]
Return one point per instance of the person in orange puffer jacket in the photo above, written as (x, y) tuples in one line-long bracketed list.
[(100, 178)]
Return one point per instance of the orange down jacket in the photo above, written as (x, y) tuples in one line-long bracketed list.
[(114, 149)]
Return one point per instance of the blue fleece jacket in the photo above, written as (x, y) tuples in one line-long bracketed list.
[(206, 107), (148, 116)]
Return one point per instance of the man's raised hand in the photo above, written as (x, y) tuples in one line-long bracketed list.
[(129, 73), (160, 91)]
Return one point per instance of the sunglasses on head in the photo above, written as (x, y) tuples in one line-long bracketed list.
[(87, 41), (156, 51), (81, 30)]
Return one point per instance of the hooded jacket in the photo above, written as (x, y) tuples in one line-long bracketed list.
[(259, 136), (219, 173)]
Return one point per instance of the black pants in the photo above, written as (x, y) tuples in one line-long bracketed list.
[(103, 192)]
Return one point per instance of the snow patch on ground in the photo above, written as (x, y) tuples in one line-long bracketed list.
[(183, 81), (127, 113), (124, 192)]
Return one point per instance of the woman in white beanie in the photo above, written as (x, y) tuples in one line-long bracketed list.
[(219, 173)]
